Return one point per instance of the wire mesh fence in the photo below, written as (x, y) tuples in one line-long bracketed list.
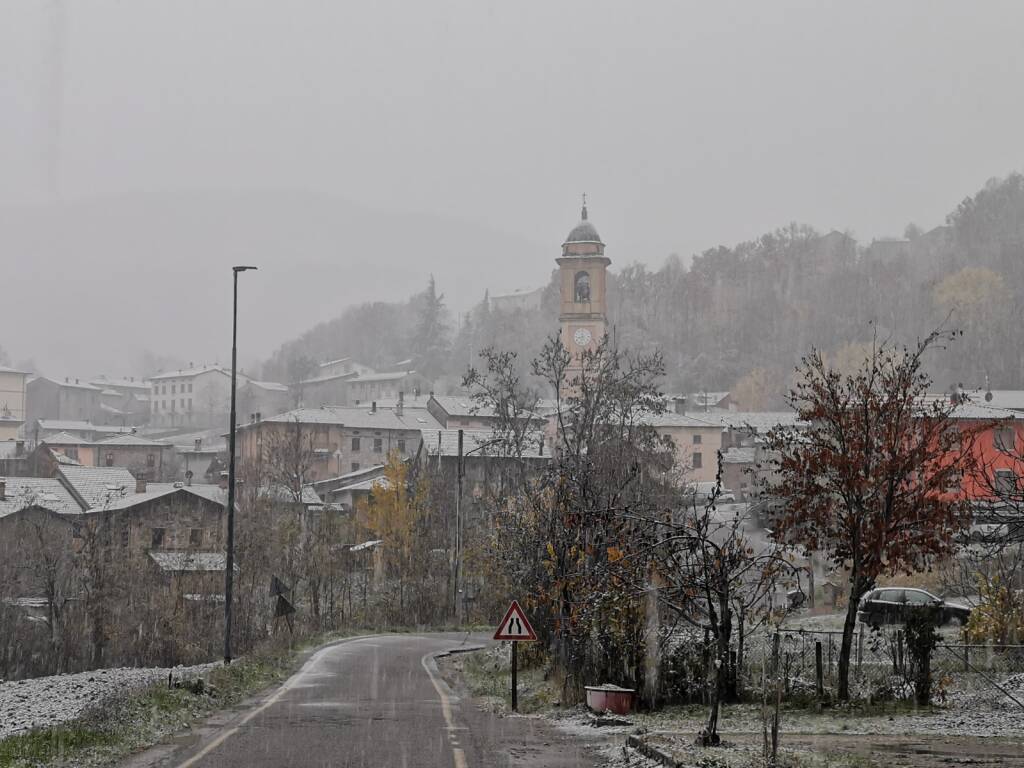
[(881, 667)]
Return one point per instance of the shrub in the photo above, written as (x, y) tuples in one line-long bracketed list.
[(999, 617)]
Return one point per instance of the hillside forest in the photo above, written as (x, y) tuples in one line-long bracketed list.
[(739, 318)]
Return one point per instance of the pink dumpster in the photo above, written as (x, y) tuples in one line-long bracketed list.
[(610, 698)]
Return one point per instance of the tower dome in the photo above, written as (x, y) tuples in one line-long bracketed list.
[(583, 240), (584, 232)]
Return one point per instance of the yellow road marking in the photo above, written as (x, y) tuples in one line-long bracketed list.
[(446, 708), (288, 685)]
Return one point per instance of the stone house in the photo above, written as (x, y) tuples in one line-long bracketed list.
[(13, 385), (152, 459), (195, 397), (68, 400), (329, 441)]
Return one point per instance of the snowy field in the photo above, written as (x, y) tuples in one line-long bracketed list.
[(48, 701)]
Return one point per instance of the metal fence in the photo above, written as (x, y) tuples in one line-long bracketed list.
[(880, 666)]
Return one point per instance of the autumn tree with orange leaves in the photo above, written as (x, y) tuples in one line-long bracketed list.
[(870, 480)]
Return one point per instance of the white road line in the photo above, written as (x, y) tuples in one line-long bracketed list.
[(307, 669), (446, 705)]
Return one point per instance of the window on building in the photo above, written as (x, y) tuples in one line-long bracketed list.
[(195, 537), (190, 387), (71, 452), (1004, 438), (401, 446), (174, 390), (696, 439), (698, 461), (378, 445), (157, 537), (190, 403), (110, 459), (150, 460), (355, 443), (1006, 482), (76, 530), (125, 535), (355, 466), (183, 403)]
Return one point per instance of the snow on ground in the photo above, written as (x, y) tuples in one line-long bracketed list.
[(47, 701)]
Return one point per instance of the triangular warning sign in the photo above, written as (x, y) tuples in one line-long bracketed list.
[(515, 625)]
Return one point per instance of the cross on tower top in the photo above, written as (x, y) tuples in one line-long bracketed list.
[(584, 206)]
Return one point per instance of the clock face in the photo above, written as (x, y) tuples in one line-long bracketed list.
[(582, 337)]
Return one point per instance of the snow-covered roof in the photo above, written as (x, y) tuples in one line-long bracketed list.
[(68, 425), (98, 487), (76, 384), (185, 373), (739, 456), (64, 438), (480, 442), (670, 419), (759, 421), (358, 417), (131, 440), (189, 561), (137, 384), (43, 492), (209, 491), (271, 386), (280, 493)]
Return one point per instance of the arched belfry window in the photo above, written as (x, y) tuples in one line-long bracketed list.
[(582, 288)]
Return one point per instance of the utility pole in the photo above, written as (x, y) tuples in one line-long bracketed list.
[(458, 531), (229, 569)]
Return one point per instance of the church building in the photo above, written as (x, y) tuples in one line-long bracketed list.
[(583, 287)]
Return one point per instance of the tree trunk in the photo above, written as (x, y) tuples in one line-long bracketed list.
[(858, 586)]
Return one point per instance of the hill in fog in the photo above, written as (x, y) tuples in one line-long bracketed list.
[(92, 286)]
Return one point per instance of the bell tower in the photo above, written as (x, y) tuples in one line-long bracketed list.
[(582, 280)]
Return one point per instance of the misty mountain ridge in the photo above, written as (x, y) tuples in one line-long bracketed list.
[(123, 277), (740, 318)]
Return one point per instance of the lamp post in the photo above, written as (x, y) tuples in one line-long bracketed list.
[(229, 570)]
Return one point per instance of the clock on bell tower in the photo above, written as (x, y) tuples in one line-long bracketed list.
[(582, 281)]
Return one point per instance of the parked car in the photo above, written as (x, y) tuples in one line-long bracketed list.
[(890, 605), (703, 491)]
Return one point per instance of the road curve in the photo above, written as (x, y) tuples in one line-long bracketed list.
[(375, 701)]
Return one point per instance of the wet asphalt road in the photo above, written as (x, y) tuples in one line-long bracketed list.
[(376, 701)]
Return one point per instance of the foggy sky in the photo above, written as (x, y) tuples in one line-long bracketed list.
[(351, 149)]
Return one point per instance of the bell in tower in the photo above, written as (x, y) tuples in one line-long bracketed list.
[(582, 276)]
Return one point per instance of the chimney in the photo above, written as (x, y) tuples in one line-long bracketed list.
[(679, 404), (373, 407), (199, 444), (3, 488), (223, 481), (76, 381), (140, 484), (401, 403), (259, 416)]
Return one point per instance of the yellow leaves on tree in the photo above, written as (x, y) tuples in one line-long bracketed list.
[(759, 390), (970, 290), (393, 512), (999, 616)]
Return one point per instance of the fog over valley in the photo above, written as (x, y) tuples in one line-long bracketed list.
[(352, 151)]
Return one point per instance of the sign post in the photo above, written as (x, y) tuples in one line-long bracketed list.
[(515, 627)]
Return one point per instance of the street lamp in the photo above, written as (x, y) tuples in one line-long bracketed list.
[(229, 570)]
